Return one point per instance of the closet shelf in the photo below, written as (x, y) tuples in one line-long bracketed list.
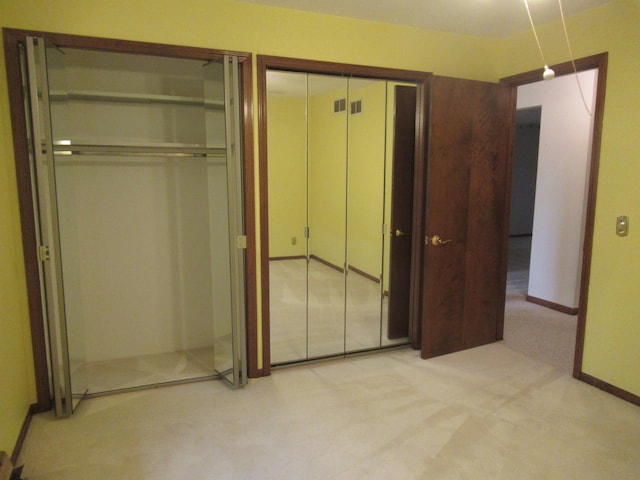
[(122, 97), (174, 150)]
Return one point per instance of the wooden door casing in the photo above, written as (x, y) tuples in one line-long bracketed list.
[(469, 148)]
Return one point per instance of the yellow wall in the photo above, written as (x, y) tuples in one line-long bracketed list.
[(611, 352), (327, 177), (366, 177), (287, 170), (16, 365), (612, 343)]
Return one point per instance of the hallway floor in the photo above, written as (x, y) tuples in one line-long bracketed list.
[(536, 331), (485, 413)]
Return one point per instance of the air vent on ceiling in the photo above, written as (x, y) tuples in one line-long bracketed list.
[(339, 105)]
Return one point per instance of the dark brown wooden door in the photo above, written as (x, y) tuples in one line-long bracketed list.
[(469, 146), (404, 141)]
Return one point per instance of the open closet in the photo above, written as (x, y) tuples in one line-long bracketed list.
[(136, 173)]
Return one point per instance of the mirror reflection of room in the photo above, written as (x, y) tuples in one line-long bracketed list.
[(330, 151)]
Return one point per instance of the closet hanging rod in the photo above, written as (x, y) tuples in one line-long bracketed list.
[(136, 160), (125, 97), (131, 150)]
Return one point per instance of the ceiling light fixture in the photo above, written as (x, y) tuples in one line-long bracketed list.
[(548, 74)]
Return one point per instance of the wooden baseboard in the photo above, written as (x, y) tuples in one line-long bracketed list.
[(327, 263), (552, 305), (292, 257), (364, 274), (353, 269), (612, 389), (260, 372), (23, 432)]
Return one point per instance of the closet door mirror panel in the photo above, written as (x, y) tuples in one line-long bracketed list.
[(365, 211), (46, 70), (287, 201), (214, 254), (327, 190), (330, 166)]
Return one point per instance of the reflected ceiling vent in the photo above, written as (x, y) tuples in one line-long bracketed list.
[(356, 107), (339, 105)]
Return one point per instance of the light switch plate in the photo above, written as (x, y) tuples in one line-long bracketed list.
[(622, 226)]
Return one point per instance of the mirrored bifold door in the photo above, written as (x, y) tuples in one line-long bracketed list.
[(330, 144), (137, 185)]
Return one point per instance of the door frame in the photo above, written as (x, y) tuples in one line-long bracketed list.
[(600, 62), (12, 38), (266, 62)]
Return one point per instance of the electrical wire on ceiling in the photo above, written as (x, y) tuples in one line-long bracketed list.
[(573, 62), (549, 74)]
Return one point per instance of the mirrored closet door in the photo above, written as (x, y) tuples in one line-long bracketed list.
[(136, 174), (330, 175)]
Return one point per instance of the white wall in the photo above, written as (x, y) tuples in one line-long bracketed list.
[(561, 185), (144, 239)]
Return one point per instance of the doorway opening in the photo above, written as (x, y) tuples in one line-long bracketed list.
[(554, 176), (540, 332)]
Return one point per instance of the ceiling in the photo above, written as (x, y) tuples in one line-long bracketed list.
[(486, 18)]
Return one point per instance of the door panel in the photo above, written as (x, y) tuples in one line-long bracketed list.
[(469, 147), (45, 64), (402, 210), (287, 211), (327, 215), (229, 339), (367, 126)]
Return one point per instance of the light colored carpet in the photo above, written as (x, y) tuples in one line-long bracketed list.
[(536, 331), (310, 318), (484, 413)]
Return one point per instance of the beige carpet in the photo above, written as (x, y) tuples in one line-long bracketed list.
[(488, 413), (536, 331)]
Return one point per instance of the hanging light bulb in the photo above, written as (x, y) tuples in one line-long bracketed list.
[(548, 73)]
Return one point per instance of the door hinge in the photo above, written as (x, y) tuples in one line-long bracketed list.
[(242, 241), (44, 255), (306, 232)]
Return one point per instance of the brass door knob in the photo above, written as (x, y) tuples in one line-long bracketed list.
[(435, 240), (400, 233)]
